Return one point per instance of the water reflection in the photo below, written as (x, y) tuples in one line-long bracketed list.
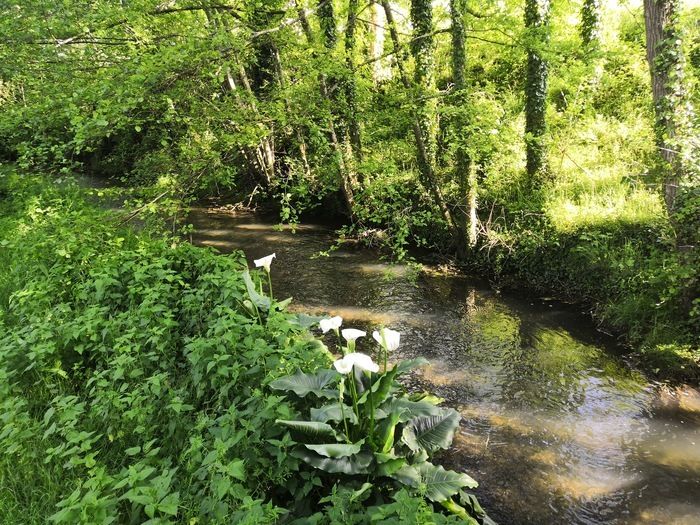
[(555, 426)]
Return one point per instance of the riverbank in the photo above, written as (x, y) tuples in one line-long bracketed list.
[(544, 396), (629, 277), (136, 373)]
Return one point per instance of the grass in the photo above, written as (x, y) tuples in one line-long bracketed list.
[(603, 239)]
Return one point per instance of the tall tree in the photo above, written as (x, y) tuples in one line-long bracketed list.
[(672, 112), (589, 28), (350, 84), (422, 48), (377, 32), (337, 129), (465, 171), (537, 14), (422, 122)]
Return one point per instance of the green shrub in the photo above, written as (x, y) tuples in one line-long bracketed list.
[(135, 378)]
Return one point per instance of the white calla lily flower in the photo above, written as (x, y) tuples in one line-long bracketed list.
[(387, 338), (265, 262), (332, 323), (343, 366), (358, 360), (350, 334)]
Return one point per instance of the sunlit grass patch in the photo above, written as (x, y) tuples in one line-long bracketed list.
[(600, 175), (616, 205)]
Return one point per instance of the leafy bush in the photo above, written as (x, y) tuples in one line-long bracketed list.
[(135, 379)]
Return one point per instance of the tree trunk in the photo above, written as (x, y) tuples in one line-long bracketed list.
[(590, 24), (265, 152), (350, 84), (665, 58), (326, 17), (260, 159), (394, 33), (537, 14), (342, 149), (377, 29), (465, 172), (301, 141), (426, 168), (459, 37), (262, 75), (422, 48)]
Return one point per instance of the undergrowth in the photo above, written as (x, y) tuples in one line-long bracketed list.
[(631, 276), (134, 380)]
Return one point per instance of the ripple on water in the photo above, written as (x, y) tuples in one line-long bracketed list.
[(555, 427)]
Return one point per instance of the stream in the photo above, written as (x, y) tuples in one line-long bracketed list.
[(556, 427)]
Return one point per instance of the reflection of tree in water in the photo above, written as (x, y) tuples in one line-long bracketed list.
[(543, 371)]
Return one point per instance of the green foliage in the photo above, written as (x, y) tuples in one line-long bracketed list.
[(139, 380), (373, 431), (182, 102)]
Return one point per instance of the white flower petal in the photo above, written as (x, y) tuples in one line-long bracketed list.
[(362, 361), (332, 323), (265, 262), (391, 338), (343, 366), (350, 334)]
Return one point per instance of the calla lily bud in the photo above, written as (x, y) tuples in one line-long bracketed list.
[(350, 334), (358, 360)]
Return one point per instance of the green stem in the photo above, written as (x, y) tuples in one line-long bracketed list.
[(353, 391), (342, 410), (384, 347), (371, 414), (340, 341), (257, 312), (269, 283)]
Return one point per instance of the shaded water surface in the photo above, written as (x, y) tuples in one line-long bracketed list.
[(556, 428)]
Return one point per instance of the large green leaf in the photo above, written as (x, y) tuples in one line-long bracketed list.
[(336, 450), (380, 388), (431, 433), (305, 320), (308, 428), (407, 475), (441, 484), (258, 300), (471, 504), (386, 430), (333, 412), (302, 384), (409, 364), (388, 464), (459, 511), (426, 397), (355, 464), (410, 409)]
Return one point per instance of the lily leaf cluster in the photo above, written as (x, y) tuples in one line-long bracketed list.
[(363, 425)]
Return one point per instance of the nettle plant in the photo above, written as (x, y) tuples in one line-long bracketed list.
[(363, 431)]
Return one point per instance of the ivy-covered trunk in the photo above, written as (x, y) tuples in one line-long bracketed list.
[(671, 107), (590, 24), (537, 13), (465, 173), (350, 84), (425, 124), (422, 48), (337, 128)]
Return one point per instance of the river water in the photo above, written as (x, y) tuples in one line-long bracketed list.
[(556, 427)]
